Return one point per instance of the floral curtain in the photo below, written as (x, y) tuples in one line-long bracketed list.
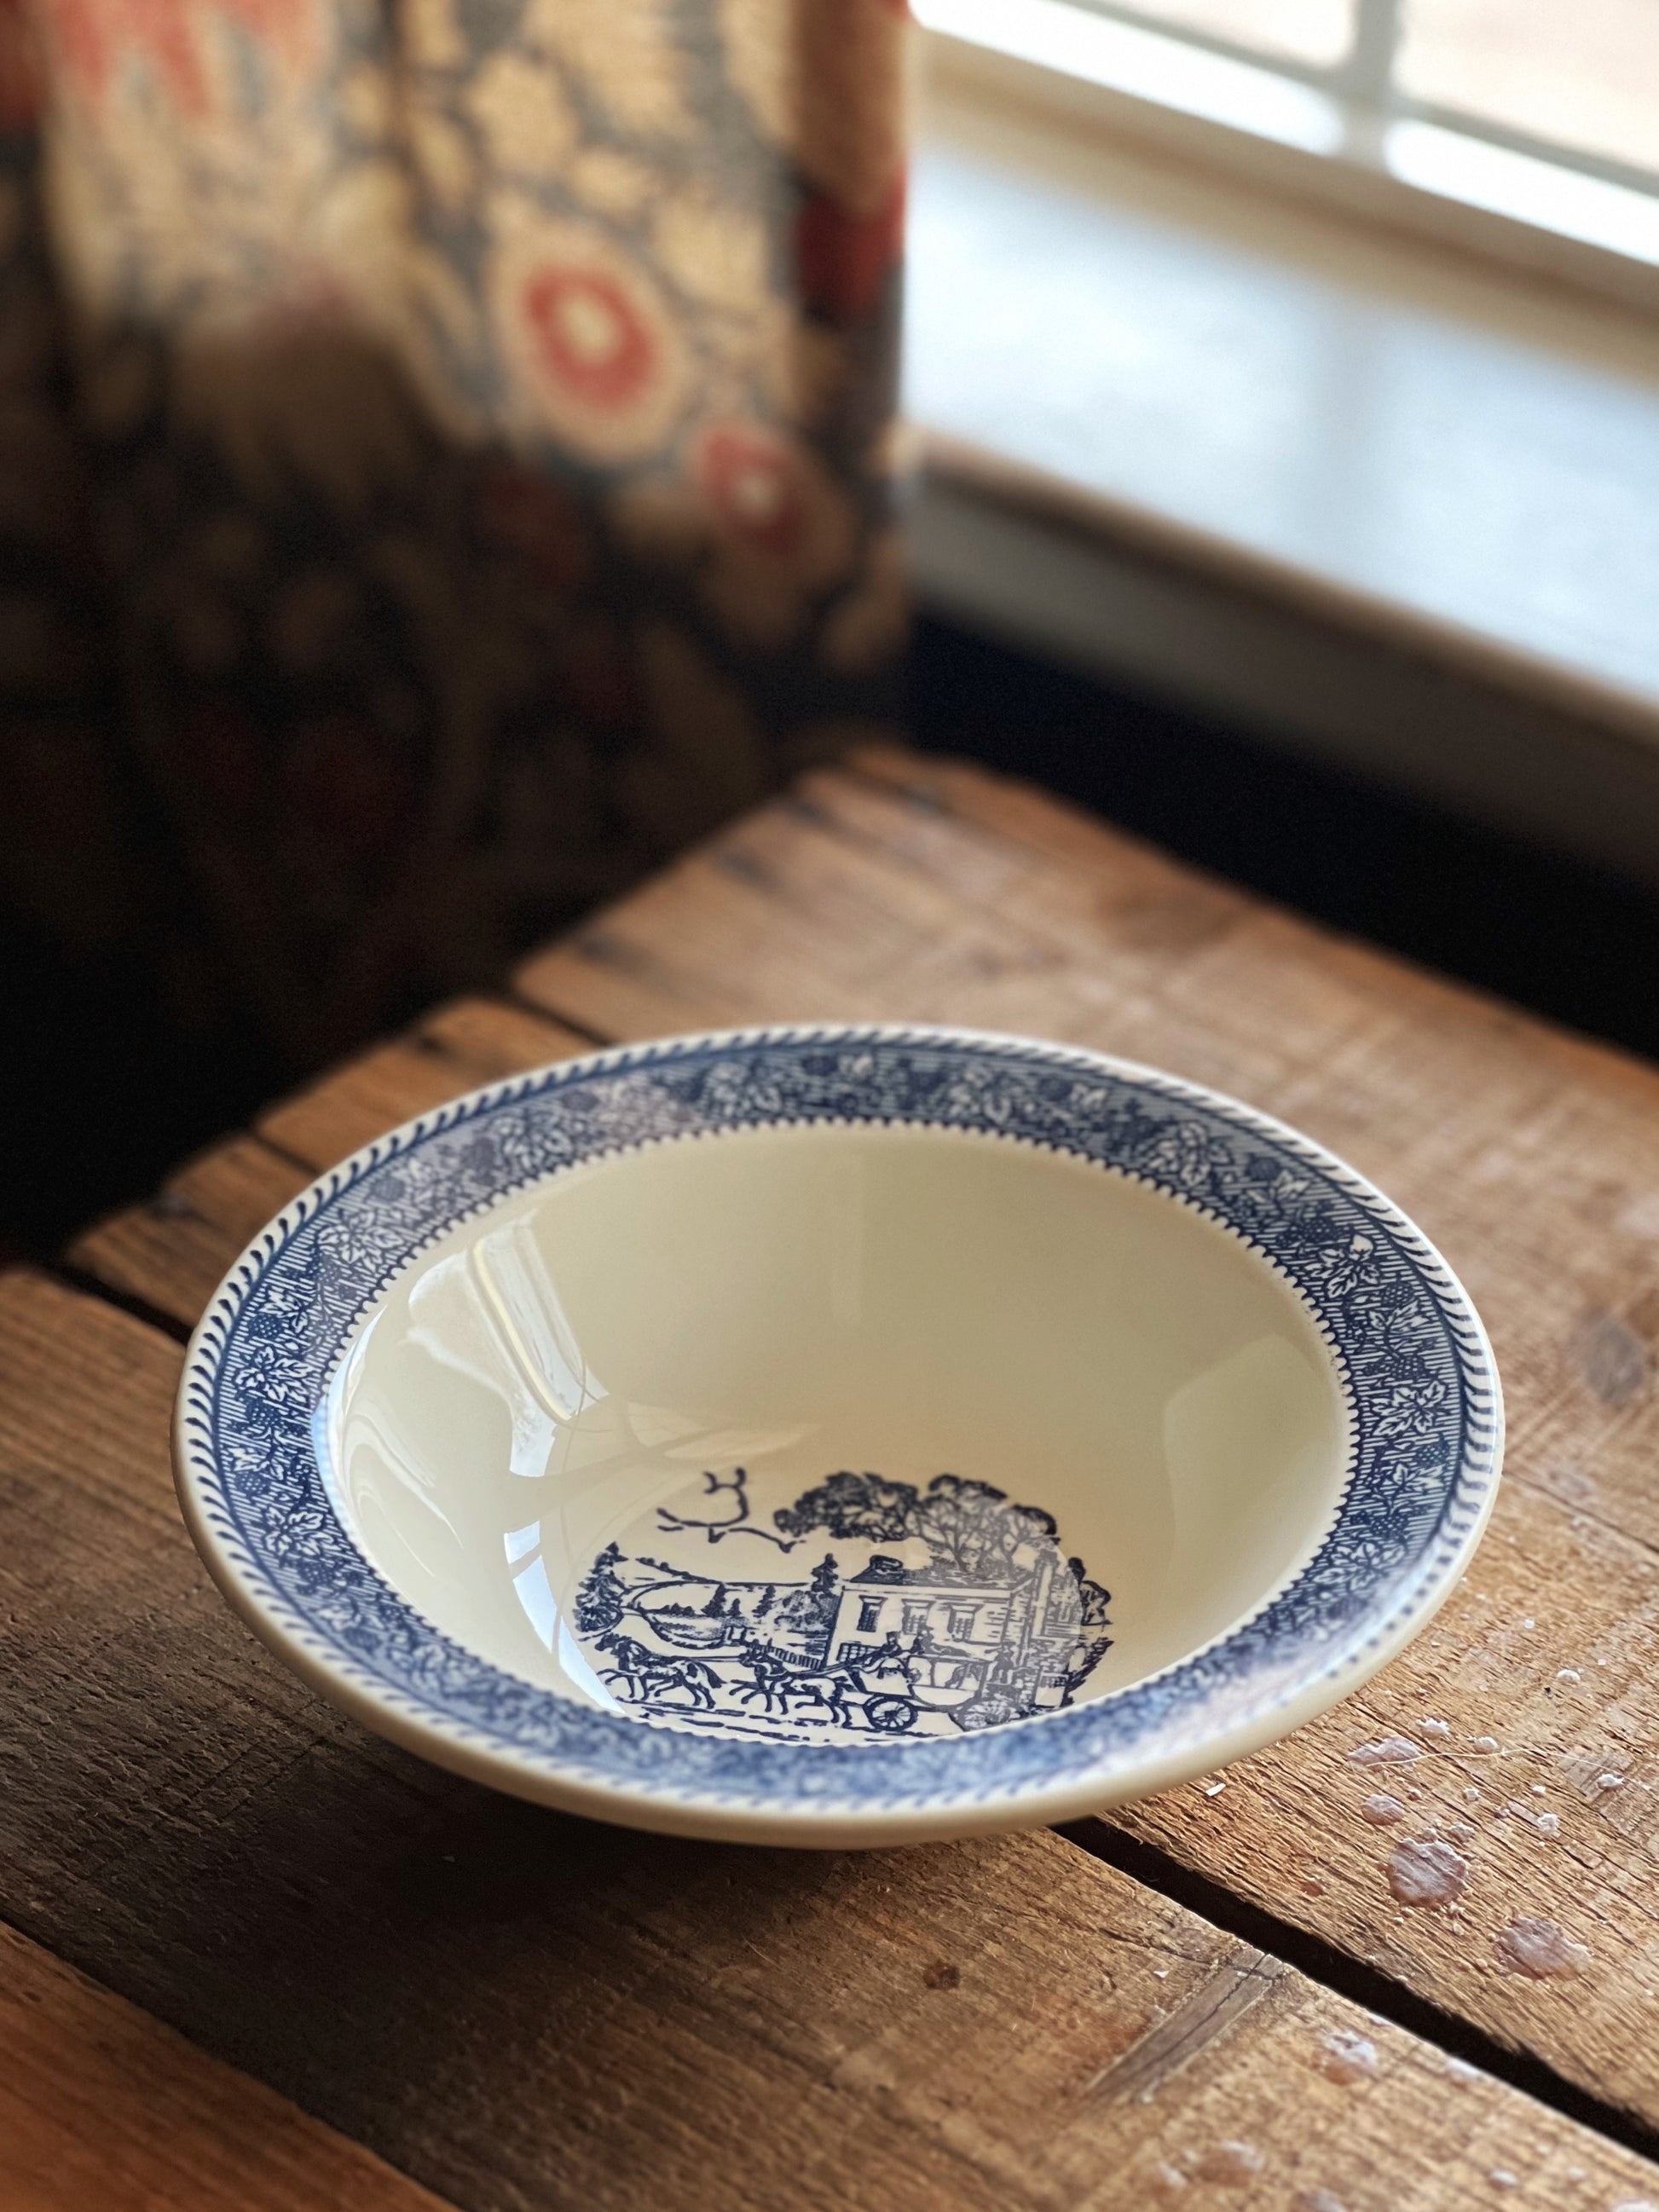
[(446, 462)]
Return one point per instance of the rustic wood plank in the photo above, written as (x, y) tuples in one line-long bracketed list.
[(912, 890), (1533, 1156), (518, 2008), (101, 2105), (171, 1250), (456, 1048)]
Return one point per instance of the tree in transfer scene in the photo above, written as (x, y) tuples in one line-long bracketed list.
[(865, 1506), (809, 1612), (971, 1530), (601, 1595)]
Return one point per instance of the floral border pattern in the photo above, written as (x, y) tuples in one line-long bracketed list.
[(1425, 1412)]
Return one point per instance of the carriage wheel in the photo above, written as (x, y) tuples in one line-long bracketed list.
[(892, 1716)]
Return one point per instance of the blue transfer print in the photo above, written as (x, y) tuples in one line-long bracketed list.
[(959, 1611), (1421, 1391), (725, 1514)]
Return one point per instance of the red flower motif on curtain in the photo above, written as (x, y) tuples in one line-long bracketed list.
[(599, 361), (91, 37), (783, 529), (843, 260), (488, 433), (594, 340), (753, 482)]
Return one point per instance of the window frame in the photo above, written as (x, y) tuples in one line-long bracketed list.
[(1362, 82), (1341, 135)]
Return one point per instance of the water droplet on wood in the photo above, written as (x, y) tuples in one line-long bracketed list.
[(1379, 1808), (1387, 1751), (1612, 1359), (1230, 2163), (1501, 2177), (1422, 1872), (1549, 1824), (1315, 2200), (1433, 1727), (1539, 1949), (1347, 2057), (1483, 1743)]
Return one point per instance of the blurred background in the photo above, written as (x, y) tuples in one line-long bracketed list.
[(455, 452)]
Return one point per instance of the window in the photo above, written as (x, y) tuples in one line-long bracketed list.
[(1317, 31), (1543, 115), (1576, 84), (963, 1617), (869, 1615)]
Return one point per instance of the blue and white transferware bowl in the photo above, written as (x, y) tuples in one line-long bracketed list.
[(838, 1436)]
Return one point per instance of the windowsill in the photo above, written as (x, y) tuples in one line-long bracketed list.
[(1374, 440)]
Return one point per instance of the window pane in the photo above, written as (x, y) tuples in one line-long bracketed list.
[(1308, 30), (1584, 73)]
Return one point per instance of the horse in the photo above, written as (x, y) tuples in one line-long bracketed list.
[(771, 1679), (645, 1678), (779, 1688), (827, 1691)]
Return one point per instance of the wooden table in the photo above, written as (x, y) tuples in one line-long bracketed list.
[(256, 1958)]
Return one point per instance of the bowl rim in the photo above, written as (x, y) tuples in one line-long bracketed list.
[(790, 1795)]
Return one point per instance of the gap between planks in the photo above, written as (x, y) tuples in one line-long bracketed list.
[(514, 2006), (1376, 1993), (1166, 923), (1154, 1868), (103, 2104), (927, 890)]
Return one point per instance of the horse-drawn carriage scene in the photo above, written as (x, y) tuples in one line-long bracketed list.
[(925, 1611)]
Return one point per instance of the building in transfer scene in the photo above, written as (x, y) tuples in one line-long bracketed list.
[(995, 1624), (1014, 1644)]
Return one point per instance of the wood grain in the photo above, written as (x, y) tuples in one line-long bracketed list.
[(914, 891), (933, 892), (529, 2011), (456, 1048), (170, 1251), (102, 2105)]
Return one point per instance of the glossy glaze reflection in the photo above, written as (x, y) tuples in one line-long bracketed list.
[(799, 1433)]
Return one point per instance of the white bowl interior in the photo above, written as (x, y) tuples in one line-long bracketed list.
[(591, 1364)]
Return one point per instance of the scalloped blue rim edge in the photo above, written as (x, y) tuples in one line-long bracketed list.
[(496, 1756)]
